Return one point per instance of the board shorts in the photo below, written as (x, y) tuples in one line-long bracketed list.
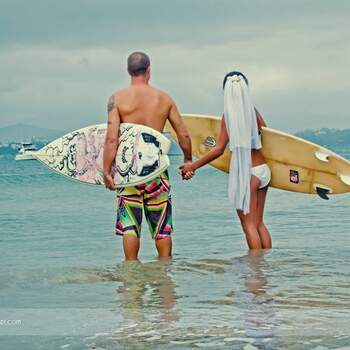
[(153, 198)]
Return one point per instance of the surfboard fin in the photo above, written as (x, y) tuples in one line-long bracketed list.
[(345, 179), (323, 192), (323, 157)]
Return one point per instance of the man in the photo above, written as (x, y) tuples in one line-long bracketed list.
[(141, 103)]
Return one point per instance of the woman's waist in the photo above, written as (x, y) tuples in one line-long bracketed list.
[(257, 158)]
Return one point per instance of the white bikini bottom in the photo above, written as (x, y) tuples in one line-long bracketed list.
[(263, 173)]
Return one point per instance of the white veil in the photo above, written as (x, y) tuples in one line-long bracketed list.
[(242, 130)]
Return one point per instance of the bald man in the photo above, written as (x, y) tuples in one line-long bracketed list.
[(141, 103)]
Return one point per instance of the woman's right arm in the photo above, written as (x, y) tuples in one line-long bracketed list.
[(216, 152)]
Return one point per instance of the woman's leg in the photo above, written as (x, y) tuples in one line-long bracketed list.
[(249, 221), (264, 233)]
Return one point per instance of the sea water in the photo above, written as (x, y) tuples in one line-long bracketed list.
[(63, 283)]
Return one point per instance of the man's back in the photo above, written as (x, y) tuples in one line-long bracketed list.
[(145, 105)]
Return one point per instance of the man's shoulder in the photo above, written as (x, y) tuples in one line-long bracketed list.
[(120, 92), (113, 96), (164, 95)]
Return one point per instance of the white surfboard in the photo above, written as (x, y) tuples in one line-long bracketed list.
[(141, 156)]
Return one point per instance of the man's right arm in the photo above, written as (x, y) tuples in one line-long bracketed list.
[(181, 131), (111, 142)]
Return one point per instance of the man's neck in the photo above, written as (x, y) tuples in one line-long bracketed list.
[(140, 80)]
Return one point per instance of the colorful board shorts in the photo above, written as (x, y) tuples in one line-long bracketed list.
[(154, 198)]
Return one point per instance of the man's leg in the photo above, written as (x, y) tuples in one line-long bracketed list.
[(158, 212), (131, 245), (129, 219), (164, 247)]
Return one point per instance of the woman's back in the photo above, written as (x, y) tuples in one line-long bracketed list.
[(257, 157)]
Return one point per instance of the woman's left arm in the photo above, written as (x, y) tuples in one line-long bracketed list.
[(216, 152)]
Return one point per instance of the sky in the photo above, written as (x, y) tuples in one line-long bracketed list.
[(61, 60)]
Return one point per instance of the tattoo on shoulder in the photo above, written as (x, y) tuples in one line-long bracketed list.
[(111, 104)]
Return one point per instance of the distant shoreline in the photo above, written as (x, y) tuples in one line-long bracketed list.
[(11, 136)]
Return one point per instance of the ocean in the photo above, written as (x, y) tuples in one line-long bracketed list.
[(64, 285)]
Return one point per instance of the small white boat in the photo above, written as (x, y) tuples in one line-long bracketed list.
[(26, 151)]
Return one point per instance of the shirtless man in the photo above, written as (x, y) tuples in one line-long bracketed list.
[(141, 103)]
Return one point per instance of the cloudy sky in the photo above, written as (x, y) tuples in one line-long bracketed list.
[(60, 60)]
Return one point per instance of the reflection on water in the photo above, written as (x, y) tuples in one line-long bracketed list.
[(147, 299), (259, 316), (147, 286), (222, 304), (145, 296), (147, 302)]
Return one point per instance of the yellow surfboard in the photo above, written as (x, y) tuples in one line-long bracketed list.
[(297, 165)]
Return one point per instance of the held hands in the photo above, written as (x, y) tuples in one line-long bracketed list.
[(108, 180), (187, 171)]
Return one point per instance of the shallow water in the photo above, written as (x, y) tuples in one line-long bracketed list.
[(62, 274)]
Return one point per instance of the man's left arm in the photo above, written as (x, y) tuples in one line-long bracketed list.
[(111, 142)]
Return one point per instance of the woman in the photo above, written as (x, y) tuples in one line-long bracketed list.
[(249, 174)]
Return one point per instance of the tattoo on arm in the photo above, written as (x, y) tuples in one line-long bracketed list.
[(111, 104)]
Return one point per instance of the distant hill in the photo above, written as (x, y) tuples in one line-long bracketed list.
[(25, 132), (327, 137)]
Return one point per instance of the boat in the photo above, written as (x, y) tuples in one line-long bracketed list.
[(26, 151)]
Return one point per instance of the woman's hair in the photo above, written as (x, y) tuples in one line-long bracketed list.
[(231, 74)]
